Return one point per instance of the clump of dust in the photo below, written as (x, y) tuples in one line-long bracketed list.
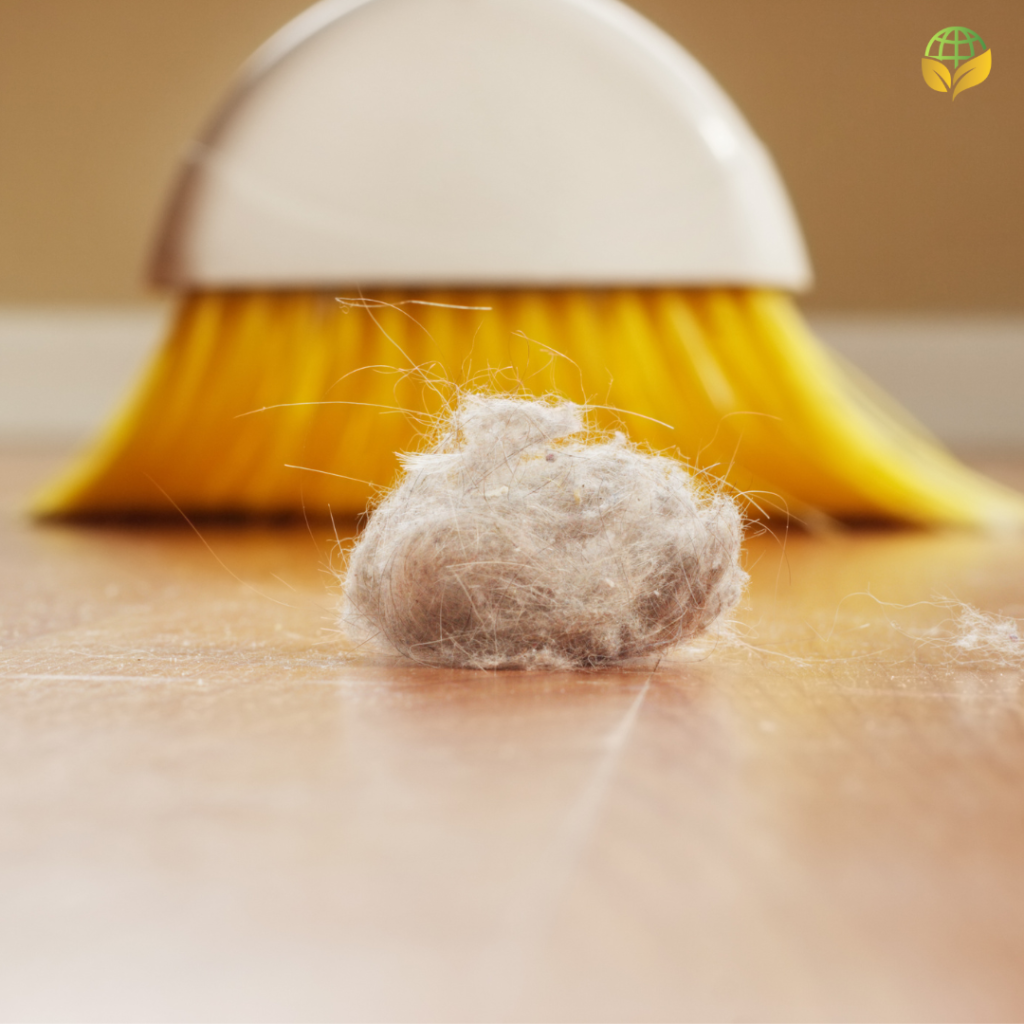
[(519, 540), (975, 636), (966, 636)]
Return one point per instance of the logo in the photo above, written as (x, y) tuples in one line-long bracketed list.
[(955, 59)]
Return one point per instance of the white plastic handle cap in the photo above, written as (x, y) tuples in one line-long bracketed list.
[(478, 142)]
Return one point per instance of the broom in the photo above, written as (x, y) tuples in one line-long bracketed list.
[(405, 191)]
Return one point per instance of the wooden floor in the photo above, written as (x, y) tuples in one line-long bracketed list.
[(206, 812)]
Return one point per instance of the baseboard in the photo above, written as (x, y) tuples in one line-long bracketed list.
[(62, 371), (962, 376)]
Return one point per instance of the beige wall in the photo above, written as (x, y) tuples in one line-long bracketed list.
[(909, 202)]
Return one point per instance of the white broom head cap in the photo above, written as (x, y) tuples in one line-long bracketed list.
[(514, 143)]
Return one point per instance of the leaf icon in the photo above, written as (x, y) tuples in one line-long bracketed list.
[(936, 74), (972, 73)]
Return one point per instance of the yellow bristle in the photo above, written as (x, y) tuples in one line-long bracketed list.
[(252, 384)]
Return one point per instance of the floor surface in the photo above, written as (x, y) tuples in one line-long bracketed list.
[(208, 812)]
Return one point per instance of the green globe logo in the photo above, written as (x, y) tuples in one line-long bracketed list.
[(955, 59), (956, 45)]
